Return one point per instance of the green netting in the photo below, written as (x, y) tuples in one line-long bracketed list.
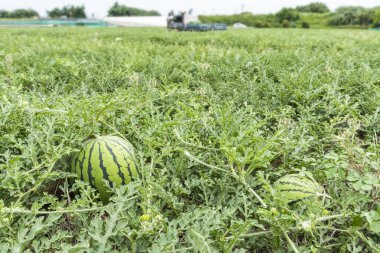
[(53, 22)]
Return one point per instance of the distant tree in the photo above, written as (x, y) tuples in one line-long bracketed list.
[(285, 23), (3, 14), (313, 8), (247, 18), (69, 11), (118, 10), (375, 17), (19, 13), (262, 24), (288, 14), (351, 15), (55, 13)]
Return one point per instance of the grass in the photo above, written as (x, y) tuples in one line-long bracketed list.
[(215, 118)]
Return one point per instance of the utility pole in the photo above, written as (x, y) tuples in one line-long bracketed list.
[(242, 7)]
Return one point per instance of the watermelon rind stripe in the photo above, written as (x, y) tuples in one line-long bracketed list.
[(121, 142), (299, 199), (76, 166), (81, 163), (131, 160), (292, 186), (303, 180), (124, 146), (293, 190), (129, 167), (296, 180), (115, 160), (91, 179), (101, 164), (297, 184), (134, 167), (120, 172)]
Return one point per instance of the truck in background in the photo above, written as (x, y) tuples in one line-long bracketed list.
[(186, 21)]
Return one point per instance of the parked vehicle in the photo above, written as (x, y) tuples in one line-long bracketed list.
[(185, 21)]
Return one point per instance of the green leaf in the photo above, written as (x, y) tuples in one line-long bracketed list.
[(373, 219), (4, 247), (198, 241)]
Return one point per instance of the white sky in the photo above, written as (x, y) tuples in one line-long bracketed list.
[(99, 7)]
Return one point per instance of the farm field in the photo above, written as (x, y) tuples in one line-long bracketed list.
[(215, 119)]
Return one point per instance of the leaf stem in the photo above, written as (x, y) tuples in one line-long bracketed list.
[(187, 153), (290, 242), (7, 210), (191, 144)]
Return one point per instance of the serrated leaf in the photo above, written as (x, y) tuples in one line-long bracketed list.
[(198, 241), (373, 219)]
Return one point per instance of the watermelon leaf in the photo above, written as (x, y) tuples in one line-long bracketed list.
[(198, 241)]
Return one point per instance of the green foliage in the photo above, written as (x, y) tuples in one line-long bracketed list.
[(315, 20), (285, 23), (305, 25), (121, 10), (313, 8), (247, 18), (19, 13), (375, 17), (69, 11), (351, 15), (215, 118), (288, 14)]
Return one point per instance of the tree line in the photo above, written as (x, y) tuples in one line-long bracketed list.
[(118, 10), (20, 13), (317, 13), (71, 11)]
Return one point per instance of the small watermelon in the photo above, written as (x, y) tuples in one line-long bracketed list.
[(295, 187), (105, 159)]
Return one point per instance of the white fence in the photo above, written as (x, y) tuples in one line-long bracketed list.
[(137, 21)]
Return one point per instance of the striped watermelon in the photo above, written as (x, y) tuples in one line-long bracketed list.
[(107, 159), (295, 187)]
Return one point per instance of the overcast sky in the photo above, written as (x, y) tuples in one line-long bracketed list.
[(99, 7)]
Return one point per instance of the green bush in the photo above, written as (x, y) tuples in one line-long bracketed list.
[(375, 17), (316, 15), (288, 14), (19, 13), (285, 23), (351, 16), (313, 8), (305, 25), (246, 18), (118, 10), (69, 11), (262, 24)]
